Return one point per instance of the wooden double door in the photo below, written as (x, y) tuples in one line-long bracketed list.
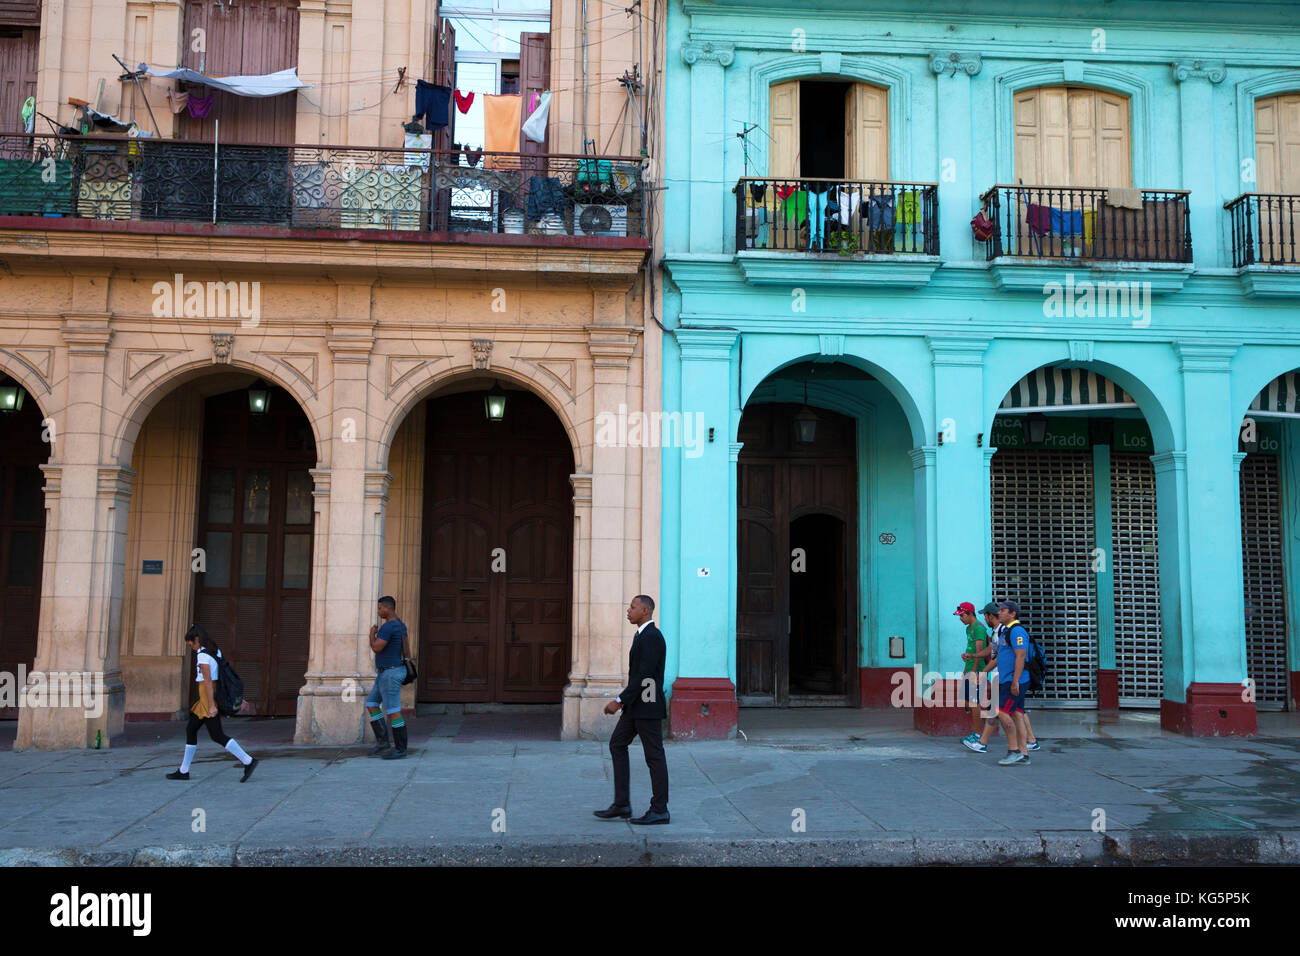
[(796, 617), (22, 536), (496, 571), (255, 526)]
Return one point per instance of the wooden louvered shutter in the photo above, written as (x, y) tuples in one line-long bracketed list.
[(866, 133), (783, 127)]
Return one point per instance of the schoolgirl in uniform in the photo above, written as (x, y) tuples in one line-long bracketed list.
[(207, 664)]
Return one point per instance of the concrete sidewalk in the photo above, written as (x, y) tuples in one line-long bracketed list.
[(867, 790)]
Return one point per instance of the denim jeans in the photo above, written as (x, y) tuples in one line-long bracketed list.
[(388, 690)]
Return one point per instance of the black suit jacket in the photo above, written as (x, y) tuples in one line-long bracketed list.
[(646, 660)]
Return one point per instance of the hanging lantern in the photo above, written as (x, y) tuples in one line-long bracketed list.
[(11, 397), (259, 398), (494, 403), (1036, 428)]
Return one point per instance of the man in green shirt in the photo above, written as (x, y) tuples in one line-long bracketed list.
[(976, 640)]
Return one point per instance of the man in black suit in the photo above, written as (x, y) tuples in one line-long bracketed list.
[(644, 711)]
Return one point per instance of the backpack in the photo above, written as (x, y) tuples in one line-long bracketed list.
[(230, 690), (1036, 661)]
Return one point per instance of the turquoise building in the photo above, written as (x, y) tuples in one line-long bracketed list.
[(982, 300)]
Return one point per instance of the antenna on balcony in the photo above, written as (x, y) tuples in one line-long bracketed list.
[(134, 76), (743, 136)]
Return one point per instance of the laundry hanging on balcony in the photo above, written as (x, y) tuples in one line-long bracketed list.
[(267, 84), (535, 126), (501, 128), (432, 105)]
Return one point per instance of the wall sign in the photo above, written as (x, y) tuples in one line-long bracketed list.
[(152, 567)]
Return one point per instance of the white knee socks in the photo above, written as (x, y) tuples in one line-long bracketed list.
[(189, 755), (238, 751)]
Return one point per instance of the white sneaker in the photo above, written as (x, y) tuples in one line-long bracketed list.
[(974, 745), (1013, 758)]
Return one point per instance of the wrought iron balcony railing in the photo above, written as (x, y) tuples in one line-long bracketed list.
[(320, 187), (1066, 222), (1264, 229), (837, 216)]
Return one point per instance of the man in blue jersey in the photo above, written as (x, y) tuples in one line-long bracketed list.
[(1013, 673)]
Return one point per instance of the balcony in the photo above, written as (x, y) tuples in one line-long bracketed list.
[(1263, 229), (150, 185), (1057, 222), (798, 230)]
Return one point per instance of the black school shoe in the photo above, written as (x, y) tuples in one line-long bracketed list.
[(177, 775), (651, 817), (613, 812), (248, 771)]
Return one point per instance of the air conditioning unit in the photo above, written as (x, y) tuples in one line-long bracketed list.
[(599, 220)]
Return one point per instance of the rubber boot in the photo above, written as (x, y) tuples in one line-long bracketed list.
[(380, 728), (399, 739)]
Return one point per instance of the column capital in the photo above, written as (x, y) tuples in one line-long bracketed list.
[(115, 481), (733, 450), (87, 333), (351, 341), (1237, 458), (376, 484), (1204, 356), (706, 344), (581, 482), (957, 349), (611, 347), (923, 457), (1165, 461), (1212, 70), (953, 62), (53, 480), (693, 52), (321, 482)]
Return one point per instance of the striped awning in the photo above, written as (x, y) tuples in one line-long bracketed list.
[(1048, 389), (1280, 397)]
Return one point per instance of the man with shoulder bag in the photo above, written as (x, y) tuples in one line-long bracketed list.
[(388, 641)]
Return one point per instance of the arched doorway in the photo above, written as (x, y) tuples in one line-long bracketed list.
[(496, 565), (1075, 535), (796, 487), (255, 520), (23, 449)]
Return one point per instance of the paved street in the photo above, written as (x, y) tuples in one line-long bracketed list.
[(867, 788)]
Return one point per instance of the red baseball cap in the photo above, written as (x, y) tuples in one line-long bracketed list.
[(965, 607)]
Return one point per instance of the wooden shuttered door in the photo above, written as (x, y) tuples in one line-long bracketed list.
[(1071, 136), (19, 51), (783, 127), (251, 38), (1277, 168), (534, 77), (866, 133)]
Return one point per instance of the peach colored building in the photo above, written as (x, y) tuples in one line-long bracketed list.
[(257, 336)]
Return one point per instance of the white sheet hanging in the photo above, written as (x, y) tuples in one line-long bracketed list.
[(535, 126), (268, 84)]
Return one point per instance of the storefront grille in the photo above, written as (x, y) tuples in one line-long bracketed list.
[(1264, 577), (1043, 534), (1135, 567)]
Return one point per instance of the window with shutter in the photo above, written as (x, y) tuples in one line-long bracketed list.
[(1071, 136), (1277, 168)]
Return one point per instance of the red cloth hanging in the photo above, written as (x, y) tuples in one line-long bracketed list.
[(464, 101)]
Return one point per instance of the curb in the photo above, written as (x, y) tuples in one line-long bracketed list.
[(1044, 848)]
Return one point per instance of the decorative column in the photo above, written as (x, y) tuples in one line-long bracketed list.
[(606, 566), (955, 176), (348, 559), (1196, 124), (951, 473), (1200, 535), (703, 701), (708, 141), (85, 547)]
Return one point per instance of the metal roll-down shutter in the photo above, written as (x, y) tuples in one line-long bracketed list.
[(1136, 575), (1264, 578), (1043, 538)]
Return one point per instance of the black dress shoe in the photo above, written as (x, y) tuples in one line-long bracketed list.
[(650, 818), (614, 812), (177, 775), (248, 770)]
